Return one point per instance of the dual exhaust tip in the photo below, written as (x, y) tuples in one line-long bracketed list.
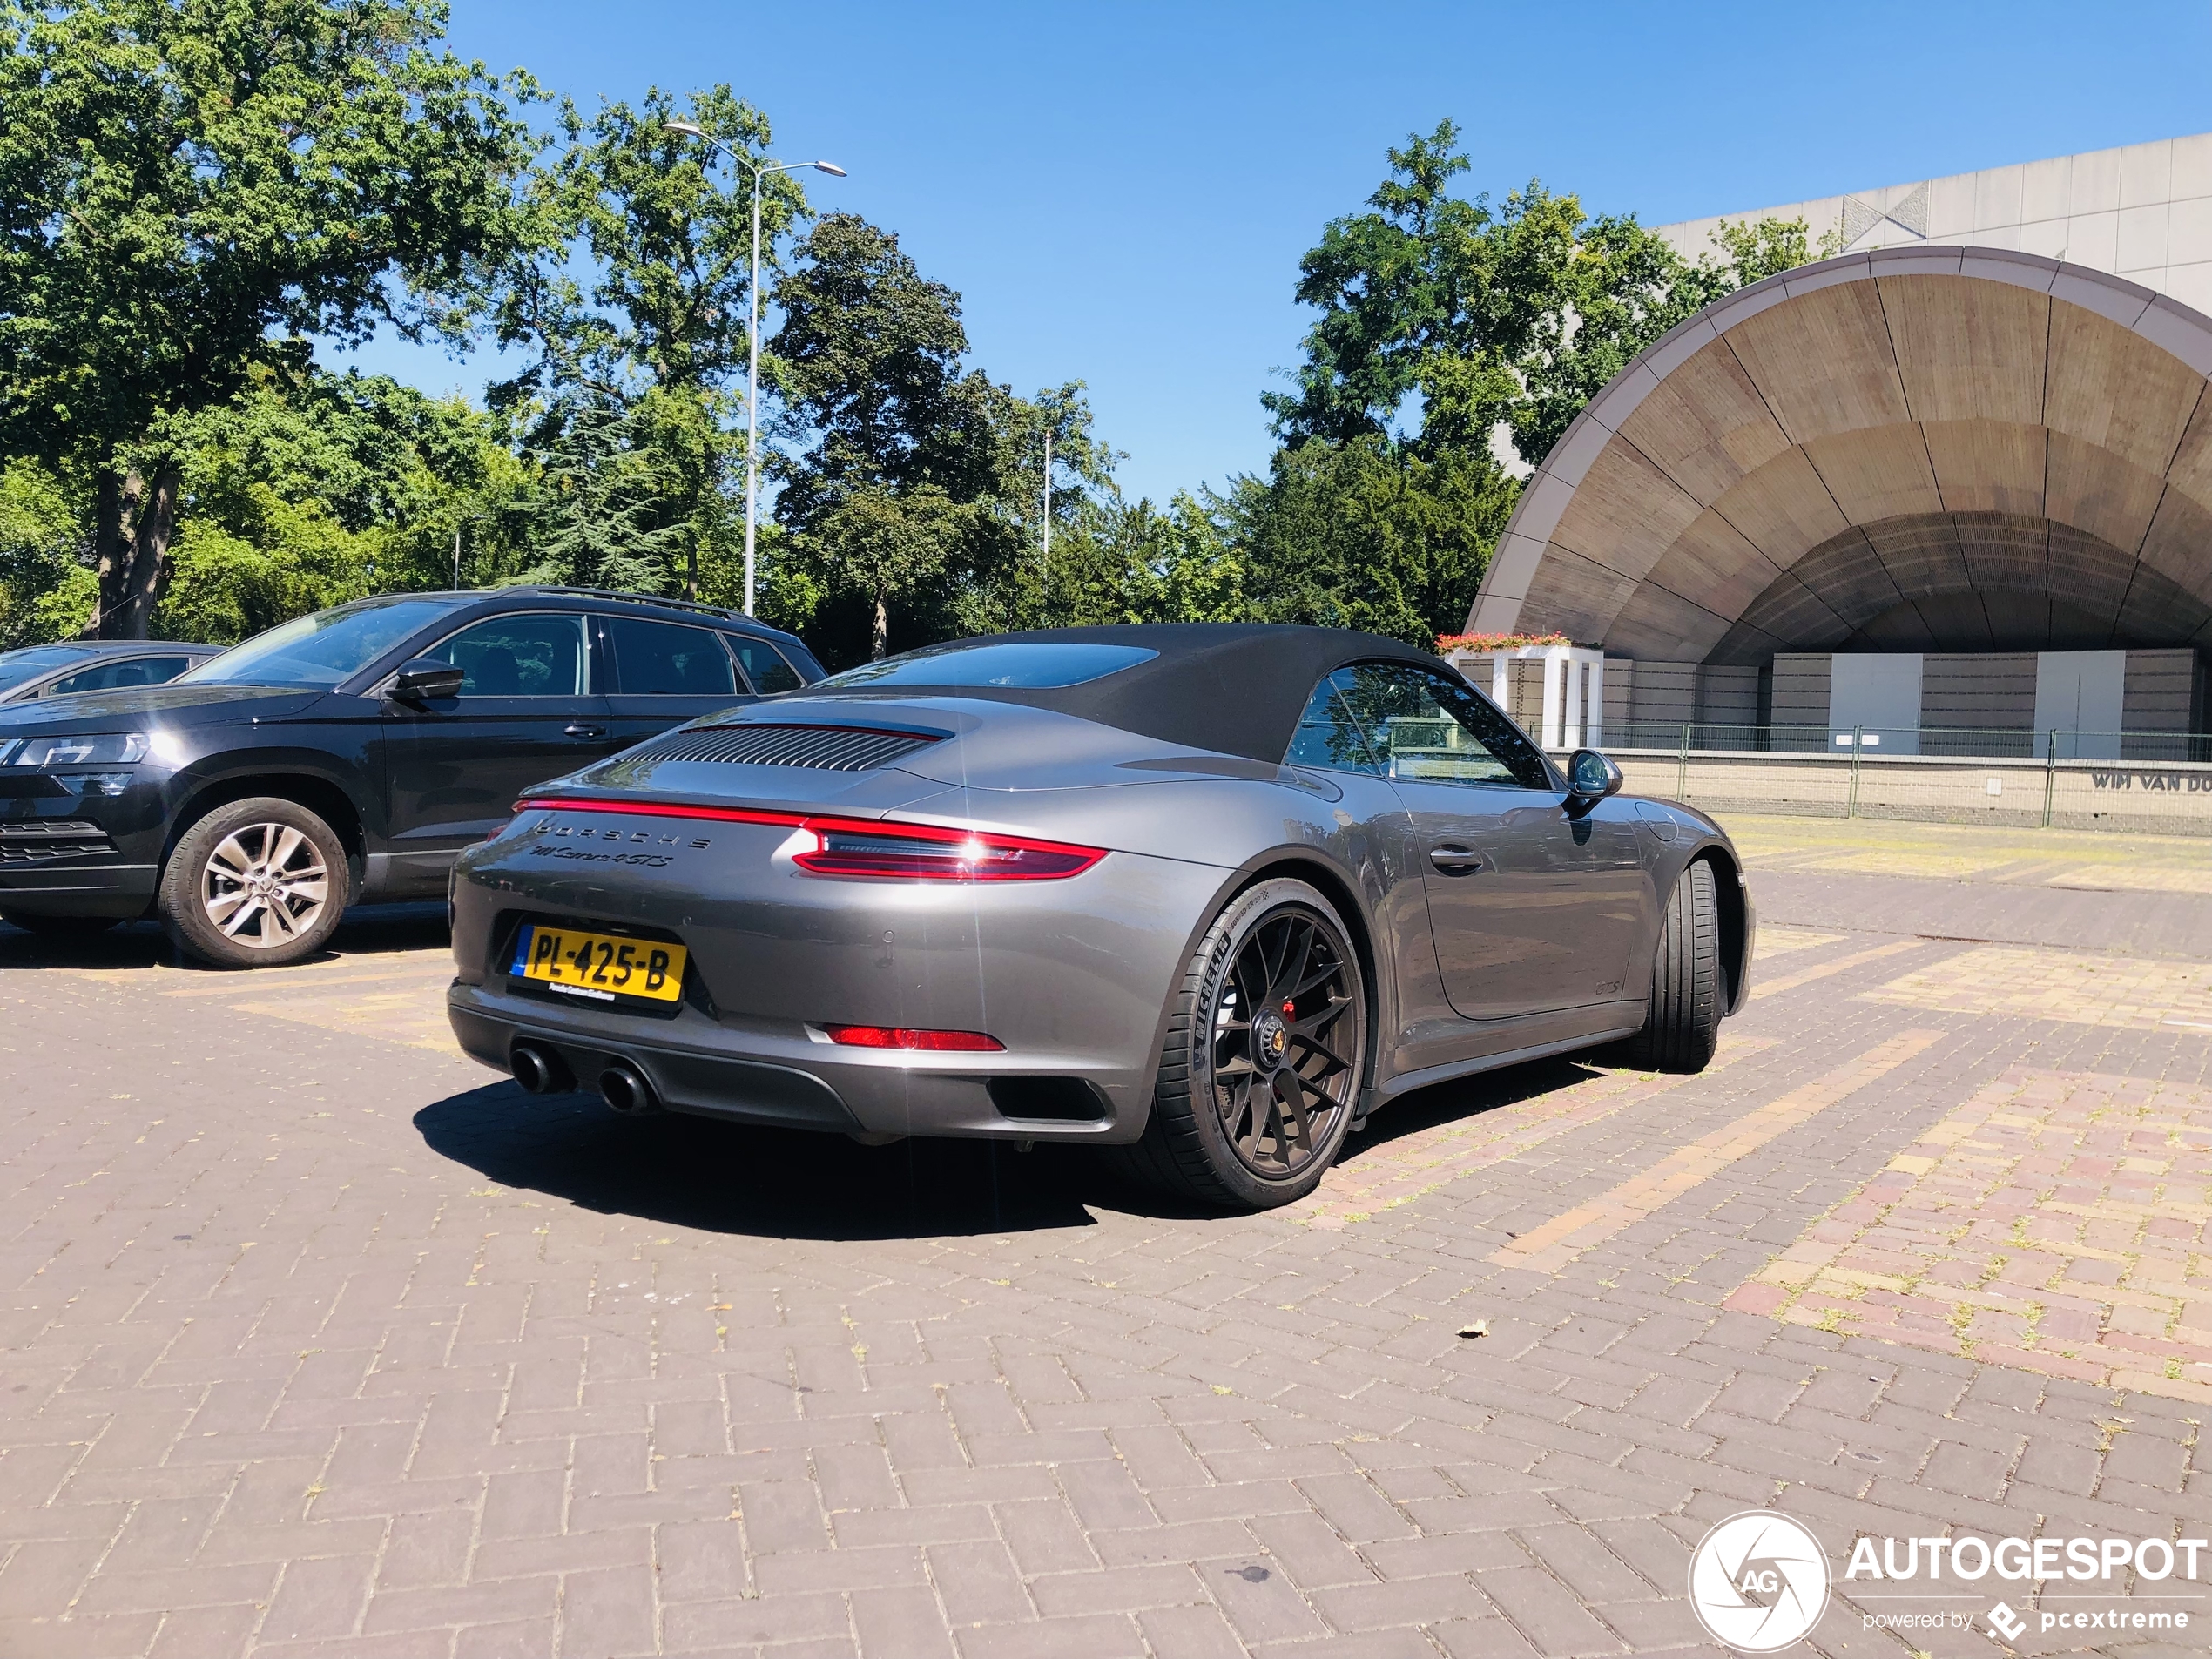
[(541, 1070)]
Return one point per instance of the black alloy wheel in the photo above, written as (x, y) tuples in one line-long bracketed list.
[(1265, 1056), (1279, 1012)]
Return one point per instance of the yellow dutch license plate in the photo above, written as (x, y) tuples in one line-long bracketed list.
[(598, 967)]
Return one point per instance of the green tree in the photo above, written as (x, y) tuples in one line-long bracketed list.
[(305, 493), (190, 190), (914, 486), (1369, 535), (1136, 563), (1449, 330), (46, 592), (1442, 318), (633, 402)]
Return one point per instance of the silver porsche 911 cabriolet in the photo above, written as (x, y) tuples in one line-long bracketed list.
[(1206, 895)]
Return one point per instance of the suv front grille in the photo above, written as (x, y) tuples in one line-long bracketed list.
[(35, 840), (823, 748)]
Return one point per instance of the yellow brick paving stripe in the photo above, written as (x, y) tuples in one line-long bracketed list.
[(1556, 1243), (2131, 993), (414, 1017), (1778, 942), (1820, 971), (2058, 1223), (397, 996), (1369, 1183)]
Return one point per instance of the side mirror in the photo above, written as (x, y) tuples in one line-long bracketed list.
[(1591, 777), (425, 679)]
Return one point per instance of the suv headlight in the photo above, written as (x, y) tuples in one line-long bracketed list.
[(99, 749)]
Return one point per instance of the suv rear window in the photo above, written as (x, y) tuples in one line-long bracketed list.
[(763, 666), (667, 659)]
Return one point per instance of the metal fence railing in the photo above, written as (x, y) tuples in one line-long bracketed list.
[(1883, 742), (2149, 782)]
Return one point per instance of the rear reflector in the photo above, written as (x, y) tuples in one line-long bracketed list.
[(872, 847), (894, 1037)]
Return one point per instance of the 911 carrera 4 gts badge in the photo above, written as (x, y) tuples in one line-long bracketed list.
[(648, 861)]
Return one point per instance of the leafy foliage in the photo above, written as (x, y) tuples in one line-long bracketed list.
[(1516, 316), (194, 192), (632, 403), (191, 189), (46, 590), (915, 486), (1451, 332)]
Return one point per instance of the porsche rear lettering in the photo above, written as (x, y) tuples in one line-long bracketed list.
[(697, 843)]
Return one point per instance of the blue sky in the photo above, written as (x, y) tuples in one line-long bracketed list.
[(1121, 193)]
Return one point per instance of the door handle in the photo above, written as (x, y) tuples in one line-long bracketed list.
[(578, 729), (1451, 860)]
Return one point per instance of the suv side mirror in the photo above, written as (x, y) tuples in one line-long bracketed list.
[(425, 679), (1591, 777)]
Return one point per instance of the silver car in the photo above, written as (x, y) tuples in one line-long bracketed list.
[(1206, 895)]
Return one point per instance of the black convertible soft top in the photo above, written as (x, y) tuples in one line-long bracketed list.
[(1233, 688)]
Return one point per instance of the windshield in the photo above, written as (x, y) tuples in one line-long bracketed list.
[(17, 666), (1029, 665), (320, 650)]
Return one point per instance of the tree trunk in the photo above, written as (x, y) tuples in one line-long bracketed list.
[(881, 638), (112, 544), (131, 539)]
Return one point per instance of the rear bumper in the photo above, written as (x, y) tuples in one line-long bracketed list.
[(1072, 976), (699, 1067)]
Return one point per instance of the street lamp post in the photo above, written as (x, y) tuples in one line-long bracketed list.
[(752, 326)]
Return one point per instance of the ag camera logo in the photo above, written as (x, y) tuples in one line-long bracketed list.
[(1758, 1581)]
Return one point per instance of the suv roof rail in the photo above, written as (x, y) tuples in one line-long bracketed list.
[(699, 605)]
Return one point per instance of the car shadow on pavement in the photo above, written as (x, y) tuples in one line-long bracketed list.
[(365, 930), (1465, 1098), (737, 1178), (797, 1183)]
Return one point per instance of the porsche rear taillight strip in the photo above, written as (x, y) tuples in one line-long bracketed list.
[(875, 849), (660, 809)]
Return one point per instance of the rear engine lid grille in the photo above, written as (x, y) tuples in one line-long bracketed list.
[(822, 748)]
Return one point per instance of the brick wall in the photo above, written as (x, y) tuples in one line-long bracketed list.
[(2161, 691), (1983, 693), (1800, 688)]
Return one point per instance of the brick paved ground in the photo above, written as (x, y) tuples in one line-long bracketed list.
[(315, 1340)]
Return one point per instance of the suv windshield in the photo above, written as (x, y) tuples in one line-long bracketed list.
[(320, 650), (17, 666)]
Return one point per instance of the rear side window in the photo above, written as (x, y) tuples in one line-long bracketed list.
[(540, 654), (667, 659), (117, 675), (765, 665)]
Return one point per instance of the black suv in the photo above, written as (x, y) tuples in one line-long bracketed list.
[(345, 758)]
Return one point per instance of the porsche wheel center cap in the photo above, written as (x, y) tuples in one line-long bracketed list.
[(1271, 1039)]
